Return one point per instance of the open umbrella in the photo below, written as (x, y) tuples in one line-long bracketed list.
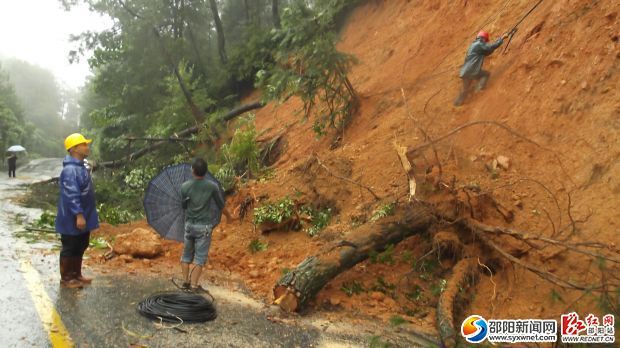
[(16, 148), (162, 201)]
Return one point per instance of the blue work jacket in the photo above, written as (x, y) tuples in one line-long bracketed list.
[(475, 57), (77, 195)]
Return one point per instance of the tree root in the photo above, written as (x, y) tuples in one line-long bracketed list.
[(481, 230), (447, 245), (462, 274)]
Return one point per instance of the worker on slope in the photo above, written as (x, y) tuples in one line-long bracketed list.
[(472, 68)]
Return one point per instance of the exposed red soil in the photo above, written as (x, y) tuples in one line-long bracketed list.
[(556, 87)]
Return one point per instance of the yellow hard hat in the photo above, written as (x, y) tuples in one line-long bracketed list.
[(75, 139)]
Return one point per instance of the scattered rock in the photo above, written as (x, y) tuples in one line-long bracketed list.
[(378, 296), (254, 273), (584, 85), (334, 301), (503, 162), (519, 204), (389, 302), (139, 243), (126, 258)]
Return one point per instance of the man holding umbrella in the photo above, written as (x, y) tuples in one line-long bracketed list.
[(196, 196), (77, 215)]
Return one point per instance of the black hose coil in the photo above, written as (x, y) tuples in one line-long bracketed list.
[(170, 307)]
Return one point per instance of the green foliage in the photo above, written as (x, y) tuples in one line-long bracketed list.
[(287, 208), (320, 219), (114, 215), (285, 271), (118, 203), (352, 288), (226, 176), (397, 320), (407, 256), (385, 287), (98, 243), (385, 257), (376, 342), (309, 66), (382, 211), (256, 246), (138, 178), (426, 266), (13, 128), (439, 287), (415, 294), (37, 102), (243, 152), (46, 220), (253, 54), (275, 212)]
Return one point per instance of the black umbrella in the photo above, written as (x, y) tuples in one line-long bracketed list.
[(162, 201)]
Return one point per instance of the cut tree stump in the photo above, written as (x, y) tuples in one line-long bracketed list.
[(293, 291)]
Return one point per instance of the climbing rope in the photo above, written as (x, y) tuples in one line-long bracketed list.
[(178, 307)]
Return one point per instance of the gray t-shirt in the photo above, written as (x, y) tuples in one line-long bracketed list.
[(196, 195)]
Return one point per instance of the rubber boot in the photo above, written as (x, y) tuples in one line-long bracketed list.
[(67, 278), (77, 264)]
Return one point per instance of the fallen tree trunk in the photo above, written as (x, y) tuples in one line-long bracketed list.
[(188, 131), (297, 287)]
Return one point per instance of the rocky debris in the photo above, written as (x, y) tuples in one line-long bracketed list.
[(138, 243), (503, 162), (377, 296), (334, 301)]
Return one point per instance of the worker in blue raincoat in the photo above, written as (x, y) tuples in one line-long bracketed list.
[(77, 214), (472, 67)]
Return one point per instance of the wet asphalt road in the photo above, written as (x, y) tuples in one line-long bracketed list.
[(36, 312)]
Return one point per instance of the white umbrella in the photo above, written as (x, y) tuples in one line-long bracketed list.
[(16, 148)]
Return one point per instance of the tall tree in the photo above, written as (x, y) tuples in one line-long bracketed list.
[(275, 13), (219, 28)]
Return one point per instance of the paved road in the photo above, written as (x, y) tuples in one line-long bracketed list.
[(36, 312)]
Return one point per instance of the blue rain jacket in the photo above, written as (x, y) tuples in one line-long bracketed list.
[(475, 57), (77, 195)]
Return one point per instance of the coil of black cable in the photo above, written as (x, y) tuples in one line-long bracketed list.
[(170, 307)]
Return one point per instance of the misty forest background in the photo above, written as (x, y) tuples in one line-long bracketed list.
[(165, 66)]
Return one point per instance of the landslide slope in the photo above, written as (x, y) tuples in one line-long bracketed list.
[(555, 89)]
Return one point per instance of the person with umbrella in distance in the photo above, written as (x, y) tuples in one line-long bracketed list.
[(196, 196), (77, 214), (12, 161)]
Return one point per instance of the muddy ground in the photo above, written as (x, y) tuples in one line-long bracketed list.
[(555, 93)]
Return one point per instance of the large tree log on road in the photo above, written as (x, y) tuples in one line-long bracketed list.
[(300, 285)]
